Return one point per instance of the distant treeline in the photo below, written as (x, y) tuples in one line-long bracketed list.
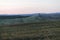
[(12, 17)]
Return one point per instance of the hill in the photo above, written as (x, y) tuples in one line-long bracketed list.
[(47, 30), (31, 18), (35, 27)]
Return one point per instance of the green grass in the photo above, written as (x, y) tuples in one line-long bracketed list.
[(45, 30)]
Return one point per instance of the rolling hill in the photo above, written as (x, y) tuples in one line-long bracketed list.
[(31, 18), (34, 27)]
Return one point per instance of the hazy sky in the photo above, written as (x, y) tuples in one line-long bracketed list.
[(28, 6)]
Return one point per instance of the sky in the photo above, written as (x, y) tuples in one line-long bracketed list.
[(29, 6)]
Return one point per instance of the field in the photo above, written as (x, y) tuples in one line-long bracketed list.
[(44, 30)]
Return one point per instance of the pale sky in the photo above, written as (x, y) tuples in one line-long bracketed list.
[(29, 6)]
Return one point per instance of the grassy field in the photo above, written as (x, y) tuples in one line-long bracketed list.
[(45, 30)]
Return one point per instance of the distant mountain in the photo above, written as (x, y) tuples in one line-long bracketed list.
[(55, 16), (43, 16)]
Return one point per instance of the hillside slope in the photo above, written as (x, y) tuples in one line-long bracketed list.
[(47, 30)]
